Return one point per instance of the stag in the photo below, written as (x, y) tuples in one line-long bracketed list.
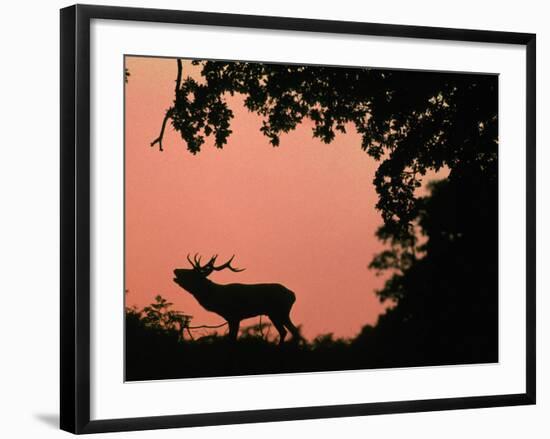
[(235, 302)]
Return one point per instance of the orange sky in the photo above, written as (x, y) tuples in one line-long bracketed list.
[(301, 214)]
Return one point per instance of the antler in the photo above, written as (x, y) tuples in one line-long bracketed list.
[(226, 265), (209, 266), (196, 262)]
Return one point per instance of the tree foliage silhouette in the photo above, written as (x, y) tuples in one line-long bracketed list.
[(447, 299), (410, 121)]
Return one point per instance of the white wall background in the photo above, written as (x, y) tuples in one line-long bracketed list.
[(29, 206)]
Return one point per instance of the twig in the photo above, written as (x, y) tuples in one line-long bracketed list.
[(207, 326), (158, 140)]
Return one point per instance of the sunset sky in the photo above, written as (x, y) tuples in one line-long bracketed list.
[(301, 214)]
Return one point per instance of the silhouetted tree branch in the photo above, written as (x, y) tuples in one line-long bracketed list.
[(169, 112), (158, 140), (208, 326)]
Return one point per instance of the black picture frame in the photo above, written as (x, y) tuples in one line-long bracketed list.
[(75, 217)]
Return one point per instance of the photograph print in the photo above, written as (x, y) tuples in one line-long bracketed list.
[(287, 218)]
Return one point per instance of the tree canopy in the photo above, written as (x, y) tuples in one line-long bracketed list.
[(410, 121)]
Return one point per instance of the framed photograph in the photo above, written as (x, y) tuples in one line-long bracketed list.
[(268, 218)]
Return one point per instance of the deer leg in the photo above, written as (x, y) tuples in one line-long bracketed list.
[(293, 329), (233, 329), (280, 328)]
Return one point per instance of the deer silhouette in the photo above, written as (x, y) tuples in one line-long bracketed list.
[(235, 302)]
